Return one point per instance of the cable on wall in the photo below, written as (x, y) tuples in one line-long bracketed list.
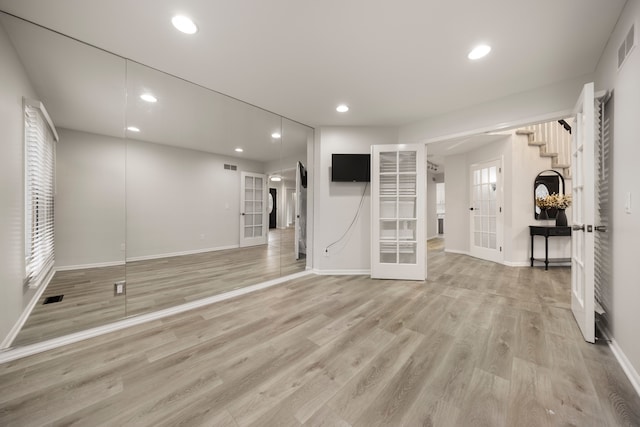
[(355, 219)]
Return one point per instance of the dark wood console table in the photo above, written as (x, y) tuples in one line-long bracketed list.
[(548, 231)]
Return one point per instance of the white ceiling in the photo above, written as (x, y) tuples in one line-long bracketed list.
[(392, 62)]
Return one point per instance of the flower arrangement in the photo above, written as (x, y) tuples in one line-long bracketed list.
[(558, 201)]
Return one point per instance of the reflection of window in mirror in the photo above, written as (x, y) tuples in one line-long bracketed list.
[(546, 183), (541, 192)]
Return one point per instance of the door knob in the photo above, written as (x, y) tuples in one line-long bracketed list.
[(602, 228), (578, 227)]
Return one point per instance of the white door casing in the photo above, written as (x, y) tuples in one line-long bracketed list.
[(398, 207), (254, 222), (485, 211), (583, 192)]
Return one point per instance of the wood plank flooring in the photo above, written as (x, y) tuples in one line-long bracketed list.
[(153, 285), (477, 344)]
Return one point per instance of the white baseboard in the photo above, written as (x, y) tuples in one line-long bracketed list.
[(455, 251), (182, 253), (622, 359), (17, 327), (20, 352), (342, 272), (516, 263), (85, 266)]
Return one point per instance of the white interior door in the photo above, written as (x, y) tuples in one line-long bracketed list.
[(582, 237), (253, 209), (398, 198), (485, 211)]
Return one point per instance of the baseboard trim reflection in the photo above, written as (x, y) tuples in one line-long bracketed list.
[(181, 253), (29, 350)]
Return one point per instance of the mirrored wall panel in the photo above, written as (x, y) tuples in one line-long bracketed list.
[(83, 90), (166, 192)]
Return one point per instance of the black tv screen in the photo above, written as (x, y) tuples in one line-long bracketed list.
[(350, 167)]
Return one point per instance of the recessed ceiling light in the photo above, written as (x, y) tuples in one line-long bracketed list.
[(184, 24), (133, 129), (275, 135), (479, 51), (342, 108), (239, 150), (276, 178), (148, 97)]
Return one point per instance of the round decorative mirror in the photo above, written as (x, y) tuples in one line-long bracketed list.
[(547, 182)]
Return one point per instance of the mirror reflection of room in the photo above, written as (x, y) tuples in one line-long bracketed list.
[(160, 189)]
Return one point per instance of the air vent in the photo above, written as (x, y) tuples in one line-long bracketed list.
[(626, 46), (230, 167), (51, 300)]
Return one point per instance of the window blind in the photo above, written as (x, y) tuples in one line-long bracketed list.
[(40, 138)]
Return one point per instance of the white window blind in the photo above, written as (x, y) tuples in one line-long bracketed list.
[(40, 138)]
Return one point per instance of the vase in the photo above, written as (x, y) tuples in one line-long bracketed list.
[(543, 214), (561, 218)]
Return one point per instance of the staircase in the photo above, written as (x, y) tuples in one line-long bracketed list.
[(553, 139)]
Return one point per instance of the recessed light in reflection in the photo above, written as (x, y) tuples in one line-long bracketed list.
[(276, 178), (184, 24), (133, 129), (275, 135), (239, 150), (342, 108), (148, 97)]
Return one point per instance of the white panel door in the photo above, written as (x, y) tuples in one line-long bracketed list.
[(253, 209), (485, 214), (398, 198), (583, 191)]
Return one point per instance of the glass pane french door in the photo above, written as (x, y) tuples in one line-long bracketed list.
[(398, 223), (253, 210), (485, 226)]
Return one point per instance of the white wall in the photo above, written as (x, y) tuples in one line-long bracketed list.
[(14, 84), (90, 199), (624, 317), (181, 201), (337, 203)]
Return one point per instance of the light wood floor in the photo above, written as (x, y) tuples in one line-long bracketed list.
[(478, 344), (153, 285)]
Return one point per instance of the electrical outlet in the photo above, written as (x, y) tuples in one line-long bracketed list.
[(119, 288), (123, 247), (202, 237), (326, 252)]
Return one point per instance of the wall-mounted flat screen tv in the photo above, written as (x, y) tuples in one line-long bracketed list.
[(350, 167)]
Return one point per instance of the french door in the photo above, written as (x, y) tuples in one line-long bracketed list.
[(485, 212), (583, 193), (253, 209), (398, 197)]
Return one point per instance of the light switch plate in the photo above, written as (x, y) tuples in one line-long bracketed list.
[(627, 204)]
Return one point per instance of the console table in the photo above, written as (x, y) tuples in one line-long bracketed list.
[(547, 231)]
